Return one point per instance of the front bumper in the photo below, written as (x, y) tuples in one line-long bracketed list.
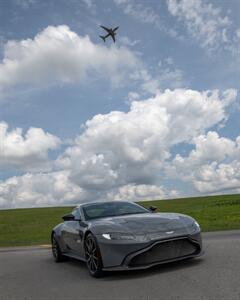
[(132, 255)]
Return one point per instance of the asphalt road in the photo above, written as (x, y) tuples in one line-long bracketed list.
[(28, 274)]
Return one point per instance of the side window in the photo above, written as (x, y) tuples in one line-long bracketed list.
[(76, 213)]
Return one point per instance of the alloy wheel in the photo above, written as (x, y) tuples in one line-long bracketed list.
[(54, 248), (92, 257)]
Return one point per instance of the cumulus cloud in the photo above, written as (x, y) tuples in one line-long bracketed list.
[(205, 23), (213, 165), (122, 148), (124, 154), (42, 189), (60, 55), (208, 148), (215, 178), (27, 152), (141, 192), (56, 188)]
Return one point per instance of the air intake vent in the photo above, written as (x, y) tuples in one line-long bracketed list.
[(164, 251)]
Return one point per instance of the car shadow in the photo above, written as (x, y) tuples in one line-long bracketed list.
[(130, 274), (159, 269)]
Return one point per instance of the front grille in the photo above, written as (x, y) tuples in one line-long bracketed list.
[(164, 251)]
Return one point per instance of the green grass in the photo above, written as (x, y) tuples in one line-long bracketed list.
[(213, 212), (32, 226)]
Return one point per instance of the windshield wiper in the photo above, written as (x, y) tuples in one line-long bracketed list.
[(132, 213)]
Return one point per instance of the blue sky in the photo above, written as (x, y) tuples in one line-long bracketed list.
[(155, 115)]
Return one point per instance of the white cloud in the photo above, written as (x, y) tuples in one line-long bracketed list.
[(124, 154), (204, 23), (126, 41), (140, 12), (57, 55), (119, 148), (141, 192), (216, 178), (133, 96), (27, 151), (144, 13), (166, 74), (213, 165), (208, 148), (41, 189), (165, 77)]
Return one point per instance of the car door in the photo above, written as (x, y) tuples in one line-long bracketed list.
[(72, 233)]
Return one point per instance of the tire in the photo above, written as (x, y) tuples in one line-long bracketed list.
[(56, 250), (93, 256)]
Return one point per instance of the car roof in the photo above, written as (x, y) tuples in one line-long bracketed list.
[(103, 202)]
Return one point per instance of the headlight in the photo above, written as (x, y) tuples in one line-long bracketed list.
[(197, 225), (118, 236)]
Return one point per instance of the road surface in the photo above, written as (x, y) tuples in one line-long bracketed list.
[(31, 274)]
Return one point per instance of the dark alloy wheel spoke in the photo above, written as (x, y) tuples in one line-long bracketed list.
[(91, 255), (95, 257), (95, 265), (89, 245), (54, 248), (91, 265)]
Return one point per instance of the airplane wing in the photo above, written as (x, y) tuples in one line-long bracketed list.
[(105, 28), (116, 28)]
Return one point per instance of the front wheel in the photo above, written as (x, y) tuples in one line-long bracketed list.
[(93, 256), (56, 251)]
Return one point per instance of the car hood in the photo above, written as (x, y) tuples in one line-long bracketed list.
[(145, 223)]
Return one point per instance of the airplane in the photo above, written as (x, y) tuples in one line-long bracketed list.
[(110, 32)]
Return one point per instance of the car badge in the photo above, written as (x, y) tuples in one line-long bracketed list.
[(169, 232)]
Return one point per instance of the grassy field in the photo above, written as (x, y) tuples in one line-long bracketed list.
[(33, 226)]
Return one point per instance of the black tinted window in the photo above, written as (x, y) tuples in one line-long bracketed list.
[(110, 209), (76, 213)]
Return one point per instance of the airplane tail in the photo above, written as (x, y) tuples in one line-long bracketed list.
[(102, 37)]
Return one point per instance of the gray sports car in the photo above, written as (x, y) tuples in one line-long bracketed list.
[(121, 235)]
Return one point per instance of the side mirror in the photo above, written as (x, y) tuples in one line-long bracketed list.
[(68, 217), (153, 209)]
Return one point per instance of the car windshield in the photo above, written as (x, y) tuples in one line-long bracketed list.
[(111, 209)]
